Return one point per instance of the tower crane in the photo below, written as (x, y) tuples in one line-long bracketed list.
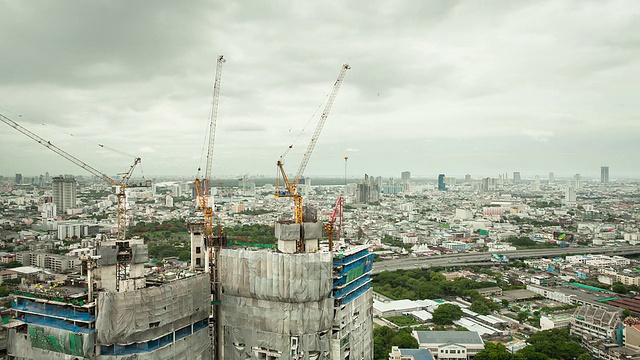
[(203, 187), (212, 243), (292, 186), (121, 185)]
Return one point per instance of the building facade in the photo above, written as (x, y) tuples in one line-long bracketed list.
[(64, 192)]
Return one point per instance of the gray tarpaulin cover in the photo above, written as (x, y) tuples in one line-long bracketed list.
[(274, 276), (271, 297), (145, 314), (285, 231)]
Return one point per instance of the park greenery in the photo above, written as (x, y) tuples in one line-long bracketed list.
[(543, 345), (418, 284), (170, 238), (525, 242)]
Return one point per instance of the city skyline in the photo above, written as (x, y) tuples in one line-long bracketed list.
[(451, 88)]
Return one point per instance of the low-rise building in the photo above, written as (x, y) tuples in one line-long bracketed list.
[(555, 321), (409, 354), (447, 345)]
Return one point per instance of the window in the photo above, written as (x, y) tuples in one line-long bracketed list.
[(198, 251), (198, 262)]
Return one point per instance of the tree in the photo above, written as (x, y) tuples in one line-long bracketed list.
[(505, 303), (480, 307), (12, 264), (384, 338), (619, 288), (522, 316), (554, 344), (494, 351), (446, 314)]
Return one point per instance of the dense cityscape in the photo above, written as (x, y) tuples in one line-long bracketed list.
[(467, 185), (459, 263)]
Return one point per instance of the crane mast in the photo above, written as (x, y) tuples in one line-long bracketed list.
[(292, 186), (212, 243), (203, 187), (121, 185)]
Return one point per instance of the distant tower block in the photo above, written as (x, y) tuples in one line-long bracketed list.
[(442, 182), (516, 177), (552, 177), (604, 174)]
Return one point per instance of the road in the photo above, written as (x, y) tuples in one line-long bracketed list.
[(484, 258)]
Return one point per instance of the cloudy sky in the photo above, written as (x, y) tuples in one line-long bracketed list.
[(478, 87)]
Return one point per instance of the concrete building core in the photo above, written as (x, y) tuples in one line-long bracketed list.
[(313, 305)]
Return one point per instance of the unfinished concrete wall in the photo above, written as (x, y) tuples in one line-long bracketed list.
[(353, 329), (276, 303)]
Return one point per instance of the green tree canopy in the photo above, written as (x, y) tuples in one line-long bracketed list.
[(446, 314)]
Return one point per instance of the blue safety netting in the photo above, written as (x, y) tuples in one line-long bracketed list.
[(52, 310)]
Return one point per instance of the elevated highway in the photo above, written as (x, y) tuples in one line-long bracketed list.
[(484, 258)]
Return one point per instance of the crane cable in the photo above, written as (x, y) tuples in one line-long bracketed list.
[(77, 137), (205, 143), (305, 127), (49, 127)]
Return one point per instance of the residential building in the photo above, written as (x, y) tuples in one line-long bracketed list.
[(594, 325), (64, 192)]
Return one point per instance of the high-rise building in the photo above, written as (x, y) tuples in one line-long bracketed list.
[(406, 180), (604, 174), (367, 191), (552, 177), (18, 179), (570, 196), (442, 183), (312, 305), (577, 181), (467, 178), (516, 177), (536, 184), (64, 192)]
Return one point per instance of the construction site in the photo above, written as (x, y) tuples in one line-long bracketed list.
[(307, 298)]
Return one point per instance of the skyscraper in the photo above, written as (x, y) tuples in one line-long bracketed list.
[(406, 180), (516, 177), (604, 174), (442, 183), (64, 192), (18, 179), (570, 196), (552, 177)]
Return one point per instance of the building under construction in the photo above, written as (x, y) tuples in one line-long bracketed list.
[(279, 304), (124, 315)]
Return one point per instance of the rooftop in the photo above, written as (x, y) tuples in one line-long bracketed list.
[(417, 354), (443, 337)]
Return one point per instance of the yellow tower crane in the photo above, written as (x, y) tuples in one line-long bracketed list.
[(120, 185), (212, 243), (291, 187)]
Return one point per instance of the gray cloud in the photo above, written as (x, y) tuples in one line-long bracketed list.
[(462, 83)]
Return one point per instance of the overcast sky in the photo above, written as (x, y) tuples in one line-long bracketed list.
[(478, 87)]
